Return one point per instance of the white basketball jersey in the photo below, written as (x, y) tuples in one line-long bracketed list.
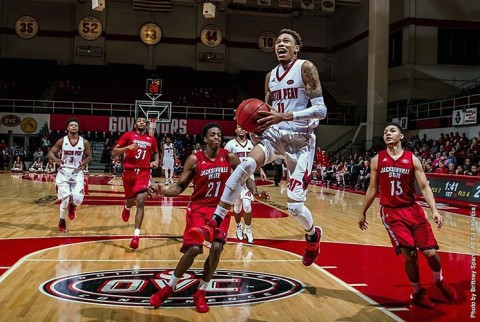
[(72, 155), (168, 151), (240, 149), (288, 94)]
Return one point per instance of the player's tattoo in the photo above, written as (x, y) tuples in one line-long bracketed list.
[(312, 80)]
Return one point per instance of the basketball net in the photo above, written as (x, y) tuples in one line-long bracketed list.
[(152, 125)]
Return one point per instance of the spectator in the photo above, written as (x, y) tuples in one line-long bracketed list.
[(17, 165), (37, 165)]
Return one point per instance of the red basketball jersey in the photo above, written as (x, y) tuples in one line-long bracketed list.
[(210, 178), (397, 179), (141, 157)]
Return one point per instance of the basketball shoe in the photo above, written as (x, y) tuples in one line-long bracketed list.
[(200, 301), (134, 242), (248, 234), (447, 291), (157, 299), (312, 249), (62, 226), (125, 214), (206, 232), (421, 299), (239, 231), (72, 209)]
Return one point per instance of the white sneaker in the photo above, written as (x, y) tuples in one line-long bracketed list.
[(239, 232), (248, 234)]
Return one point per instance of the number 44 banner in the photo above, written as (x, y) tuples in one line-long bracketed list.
[(467, 117)]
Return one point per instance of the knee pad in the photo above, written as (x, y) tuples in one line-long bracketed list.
[(301, 214), (295, 208), (247, 205), (77, 199), (238, 177)]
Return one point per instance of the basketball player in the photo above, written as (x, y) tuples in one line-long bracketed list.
[(168, 160), (210, 170), (75, 154), (288, 133), (140, 154), (241, 146), (395, 171)]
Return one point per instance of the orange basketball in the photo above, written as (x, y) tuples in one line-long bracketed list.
[(247, 113)]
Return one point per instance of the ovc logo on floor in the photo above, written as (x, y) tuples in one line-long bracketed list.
[(134, 287)]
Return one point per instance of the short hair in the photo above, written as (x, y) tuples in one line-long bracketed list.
[(395, 124), (294, 34), (72, 119), (208, 127)]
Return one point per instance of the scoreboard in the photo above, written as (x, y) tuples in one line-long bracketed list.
[(458, 188)]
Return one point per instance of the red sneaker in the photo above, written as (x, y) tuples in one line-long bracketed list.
[(312, 249), (200, 301), (206, 232), (72, 209), (134, 242), (62, 226), (421, 299), (125, 214), (158, 298), (447, 290)]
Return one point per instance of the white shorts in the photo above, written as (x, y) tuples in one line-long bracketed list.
[(168, 164), (298, 151), (69, 182)]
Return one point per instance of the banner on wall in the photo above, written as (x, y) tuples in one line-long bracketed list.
[(470, 116), (307, 4), (22, 123), (120, 124), (285, 3)]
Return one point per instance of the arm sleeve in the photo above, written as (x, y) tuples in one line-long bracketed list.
[(318, 110)]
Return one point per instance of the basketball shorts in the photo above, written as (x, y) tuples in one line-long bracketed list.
[(168, 164), (135, 181), (408, 227), (298, 150), (69, 182), (197, 216)]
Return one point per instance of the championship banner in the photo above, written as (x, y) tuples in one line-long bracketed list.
[(285, 3), (22, 123), (307, 4), (265, 3), (457, 117), (121, 124)]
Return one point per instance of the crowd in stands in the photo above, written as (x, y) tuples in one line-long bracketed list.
[(450, 153)]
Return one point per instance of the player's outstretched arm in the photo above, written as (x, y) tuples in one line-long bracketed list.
[(185, 178)]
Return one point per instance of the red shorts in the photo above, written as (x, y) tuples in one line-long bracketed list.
[(135, 181), (408, 227), (197, 216)]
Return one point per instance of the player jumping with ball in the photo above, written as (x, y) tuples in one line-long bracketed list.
[(287, 132)]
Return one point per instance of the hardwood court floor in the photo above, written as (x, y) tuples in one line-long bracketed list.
[(90, 274)]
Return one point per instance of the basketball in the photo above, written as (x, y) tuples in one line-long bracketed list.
[(247, 113)]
